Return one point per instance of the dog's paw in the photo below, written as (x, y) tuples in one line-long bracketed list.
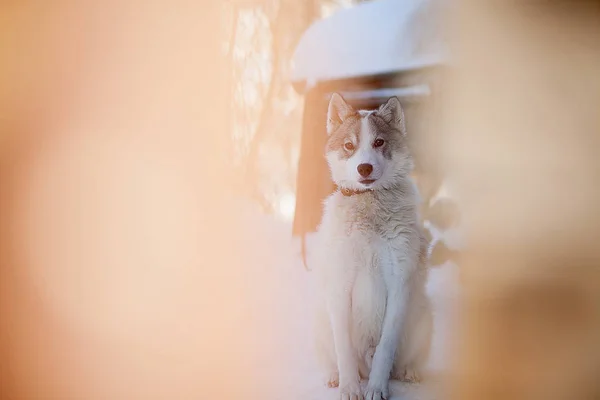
[(376, 391), (407, 374), (351, 391), (334, 380), (411, 375)]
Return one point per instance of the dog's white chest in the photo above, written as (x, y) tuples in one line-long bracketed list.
[(371, 253), (372, 264)]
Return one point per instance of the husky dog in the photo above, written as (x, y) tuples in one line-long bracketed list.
[(374, 319)]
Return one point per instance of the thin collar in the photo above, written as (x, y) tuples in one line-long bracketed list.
[(351, 192)]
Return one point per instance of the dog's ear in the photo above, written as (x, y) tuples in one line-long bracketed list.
[(392, 113), (337, 112)]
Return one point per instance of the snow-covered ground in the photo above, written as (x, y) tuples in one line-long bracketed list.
[(285, 294)]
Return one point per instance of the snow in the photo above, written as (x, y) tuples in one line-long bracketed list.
[(373, 38), (284, 292)]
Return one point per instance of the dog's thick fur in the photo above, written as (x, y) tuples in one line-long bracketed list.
[(374, 318)]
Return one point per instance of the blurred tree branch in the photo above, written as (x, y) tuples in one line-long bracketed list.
[(267, 111), (262, 129)]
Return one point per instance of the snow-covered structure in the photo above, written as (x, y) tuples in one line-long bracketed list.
[(379, 37), (369, 53)]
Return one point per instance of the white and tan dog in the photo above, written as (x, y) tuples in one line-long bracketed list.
[(374, 319)]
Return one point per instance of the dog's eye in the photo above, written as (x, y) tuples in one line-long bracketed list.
[(349, 146), (378, 143)]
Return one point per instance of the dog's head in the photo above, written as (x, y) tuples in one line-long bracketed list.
[(367, 149)]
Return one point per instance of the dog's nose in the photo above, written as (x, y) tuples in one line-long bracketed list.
[(365, 169)]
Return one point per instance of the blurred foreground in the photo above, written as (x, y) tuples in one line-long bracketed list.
[(129, 271)]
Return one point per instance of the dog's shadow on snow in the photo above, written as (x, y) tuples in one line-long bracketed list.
[(409, 391)]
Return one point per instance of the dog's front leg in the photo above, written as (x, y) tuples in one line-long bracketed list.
[(383, 360), (339, 304)]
